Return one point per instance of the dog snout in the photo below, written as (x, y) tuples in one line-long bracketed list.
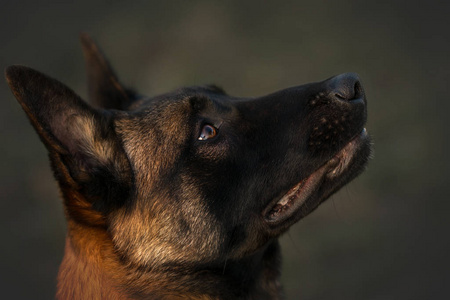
[(339, 113), (345, 87)]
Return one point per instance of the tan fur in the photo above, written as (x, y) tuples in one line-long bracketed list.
[(144, 232), (82, 273), (91, 269), (154, 211)]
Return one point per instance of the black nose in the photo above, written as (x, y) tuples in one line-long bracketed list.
[(345, 87)]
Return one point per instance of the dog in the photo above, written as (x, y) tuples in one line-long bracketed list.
[(184, 195)]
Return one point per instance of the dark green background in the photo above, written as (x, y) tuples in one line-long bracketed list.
[(384, 236)]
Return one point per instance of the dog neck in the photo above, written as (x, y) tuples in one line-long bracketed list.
[(92, 270), (82, 272)]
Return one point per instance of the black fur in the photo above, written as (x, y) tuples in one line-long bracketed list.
[(222, 201)]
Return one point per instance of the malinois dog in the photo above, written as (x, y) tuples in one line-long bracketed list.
[(184, 195)]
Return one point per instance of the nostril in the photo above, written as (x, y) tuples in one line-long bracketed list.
[(346, 91), (346, 87), (345, 95)]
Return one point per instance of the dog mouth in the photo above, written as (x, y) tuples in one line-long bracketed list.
[(299, 197)]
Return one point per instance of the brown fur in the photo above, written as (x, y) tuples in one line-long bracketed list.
[(154, 212)]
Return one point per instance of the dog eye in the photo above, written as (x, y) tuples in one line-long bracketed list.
[(208, 132)]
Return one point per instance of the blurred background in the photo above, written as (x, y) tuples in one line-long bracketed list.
[(384, 236)]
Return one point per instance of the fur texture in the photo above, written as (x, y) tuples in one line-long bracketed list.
[(155, 212)]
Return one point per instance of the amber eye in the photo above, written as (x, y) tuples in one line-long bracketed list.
[(208, 132)]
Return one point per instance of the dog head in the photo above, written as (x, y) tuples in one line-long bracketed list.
[(194, 175)]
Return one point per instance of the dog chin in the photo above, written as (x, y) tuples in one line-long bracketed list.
[(304, 197)]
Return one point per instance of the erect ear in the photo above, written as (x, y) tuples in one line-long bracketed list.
[(86, 153), (105, 90)]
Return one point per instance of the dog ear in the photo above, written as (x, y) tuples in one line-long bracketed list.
[(86, 154), (104, 88)]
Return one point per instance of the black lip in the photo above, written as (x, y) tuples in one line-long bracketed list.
[(310, 189)]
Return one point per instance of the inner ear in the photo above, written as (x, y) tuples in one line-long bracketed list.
[(97, 161), (86, 152)]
